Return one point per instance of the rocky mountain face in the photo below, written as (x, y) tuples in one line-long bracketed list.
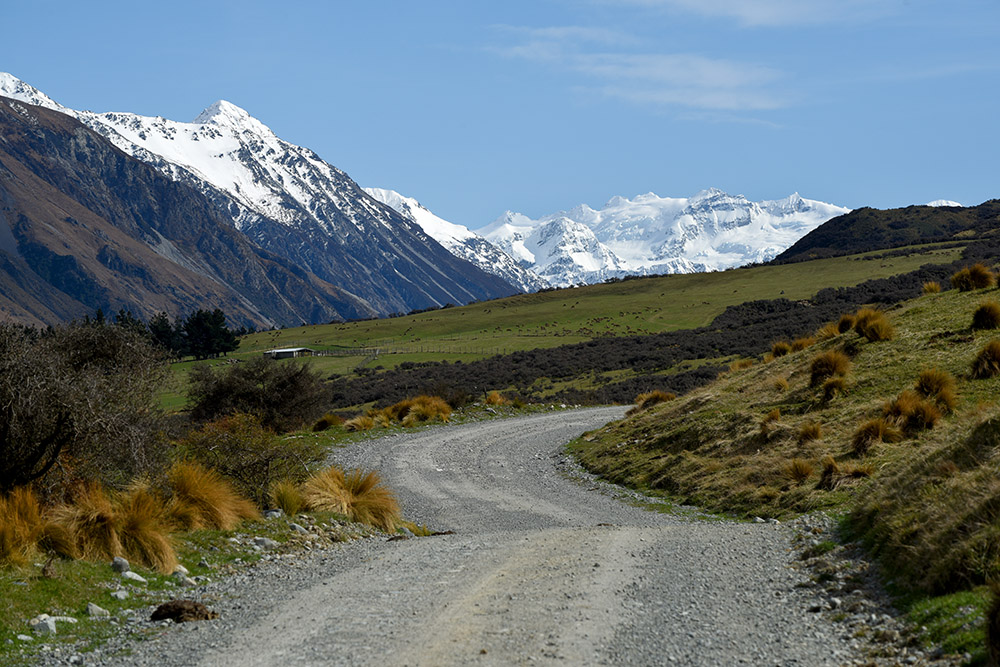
[(461, 242), (290, 202), (652, 235), (85, 226)]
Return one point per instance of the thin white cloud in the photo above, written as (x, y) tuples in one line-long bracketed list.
[(659, 79), (757, 13)]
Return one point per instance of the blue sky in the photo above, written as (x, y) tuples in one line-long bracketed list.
[(535, 106)]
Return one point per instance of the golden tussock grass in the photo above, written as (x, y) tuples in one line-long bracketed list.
[(144, 528), (413, 411), (359, 423), (648, 399), (873, 325), (328, 420), (780, 383), (845, 323), (358, 495), (20, 527), (202, 498), (772, 417), (986, 316), (798, 470), (287, 496), (911, 412), (91, 518), (974, 277), (802, 343), (987, 362), (931, 287), (496, 398), (809, 432), (828, 331), (741, 365), (874, 431), (780, 348), (828, 364), (833, 387), (939, 386)]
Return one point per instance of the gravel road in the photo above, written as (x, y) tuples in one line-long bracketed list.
[(542, 568)]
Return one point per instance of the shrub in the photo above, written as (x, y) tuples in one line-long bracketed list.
[(283, 395), (359, 423), (873, 325), (144, 527), (828, 331), (798, 470), (987, 362), (250, 455), (780, 348), (931, 287), (649, 399), (358, 495), (201, 498), (286, 495), (977, 276), (938, 385), (834, 387), (802, 343), (987, 316), (810, 431), (845, 323), (328, 420), (872, 431), (496, 398), (826, 365)]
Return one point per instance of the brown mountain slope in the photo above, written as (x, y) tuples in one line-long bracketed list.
[(85, 226)]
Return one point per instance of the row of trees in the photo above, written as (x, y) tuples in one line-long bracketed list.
[(202, 334)]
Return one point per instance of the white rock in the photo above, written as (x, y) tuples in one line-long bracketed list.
[(180, 569), (272, 514), (119, 595), (134, 577), (26, 638), (187, 582), (264, 542), (119, 564), (43, 626), (64, 619), (95, 611)]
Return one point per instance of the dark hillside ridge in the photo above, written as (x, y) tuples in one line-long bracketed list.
[(84, 226), (868, 229)]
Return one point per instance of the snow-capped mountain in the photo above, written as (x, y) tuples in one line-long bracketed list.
[(651, 235), (944, 202), (288, 200), (461, 241)]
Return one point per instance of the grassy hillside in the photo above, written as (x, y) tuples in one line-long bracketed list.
[(766, 441)]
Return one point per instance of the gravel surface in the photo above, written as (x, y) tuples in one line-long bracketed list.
[(544, 567)]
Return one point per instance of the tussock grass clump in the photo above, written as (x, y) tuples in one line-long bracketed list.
[(974, 277), (780, 383), (809, 432), (798, 470), (987, 316), (780, 348), (874, 431), (328, 420), (987, 362), (359, 423), (496, 398), (831, 363), (287, 496), (873, 325), (845, 323), (413, 411), (939, 386), (649, 399), (828, 477), (90, 518), (741, 365), (772, 417), (802, 343), (911, 412), (828, 331), (931, 287), (358, 495), (834, 387), (202, 498), (20, 527), (144, 528)]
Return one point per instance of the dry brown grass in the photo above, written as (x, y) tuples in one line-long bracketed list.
[(798, 470), (834, 387), (20, 527), (90, 518), (828, 331), (496, 398), (359, 423), (780, 348), (287, 496), (874, 431), (828, 364), (202, 498), (974, 277), (987, 362), (809, 432), (650, 398), (358, 495), (828, 477), (802, 343), (328, 420), (772, 417), (780, 383), (845, 323), (939, 386), (426, 409), (873, 325), (144, 528), (741, 365), (986, 316), (931, 287), (911, 412)]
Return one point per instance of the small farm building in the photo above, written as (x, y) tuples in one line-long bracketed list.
[(288, 353)]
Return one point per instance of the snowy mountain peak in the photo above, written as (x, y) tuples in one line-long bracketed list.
[(11, 86), (943, 202)]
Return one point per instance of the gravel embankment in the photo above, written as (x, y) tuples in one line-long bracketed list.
[(543, 567)]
